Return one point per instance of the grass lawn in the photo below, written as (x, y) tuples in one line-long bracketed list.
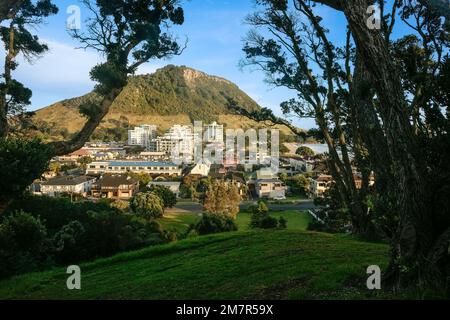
[(180, 222), (296, 220), (287, 264)]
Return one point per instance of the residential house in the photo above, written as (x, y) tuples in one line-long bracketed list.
[(115, 186), (201, 169), (80, 185), (320, 185), (75, 156), (270, 188)]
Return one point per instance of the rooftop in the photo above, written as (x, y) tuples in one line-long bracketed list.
[(67, 181), (138, 164), (115, 180)]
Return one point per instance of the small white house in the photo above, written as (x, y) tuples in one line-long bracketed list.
[(81, 185), (270, 188), (201, 169)]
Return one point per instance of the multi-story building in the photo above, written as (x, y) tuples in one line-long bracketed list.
[(320, 185), (179, 138), (80, 185), (152, 168), (142, 136), (214, 133)]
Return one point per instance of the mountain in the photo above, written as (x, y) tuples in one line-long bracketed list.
[(171, 95)]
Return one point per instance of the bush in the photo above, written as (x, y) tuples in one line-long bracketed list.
[(57, 232), (167, 196), (282, 223), (121, 205), (260, 218), (215, 223), (24, 246), (147, 205), (268, 222)]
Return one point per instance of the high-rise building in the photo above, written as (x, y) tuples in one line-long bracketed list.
[(178, 136), (214, 133), (142, 136)]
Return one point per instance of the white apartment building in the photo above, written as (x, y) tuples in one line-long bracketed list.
[(179, 136), (142, 135), (214, 133), (153, 168)]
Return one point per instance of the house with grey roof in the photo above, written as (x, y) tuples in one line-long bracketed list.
[(80, 185)]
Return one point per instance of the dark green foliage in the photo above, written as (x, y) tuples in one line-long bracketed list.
[(166, 195), (268, 222), (14, 94), (215, 223), (21, 161), (260, 218), (305, 152), (147, 205), (282, 223), (56, 231), (299, 184), (128, 33), (334, 218), (24, 245), (258, 212)]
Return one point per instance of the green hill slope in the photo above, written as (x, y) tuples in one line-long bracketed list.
[(286, 264)]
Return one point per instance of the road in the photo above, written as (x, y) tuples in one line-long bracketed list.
[(302, 205)]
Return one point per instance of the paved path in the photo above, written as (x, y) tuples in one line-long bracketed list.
[(188, 207)]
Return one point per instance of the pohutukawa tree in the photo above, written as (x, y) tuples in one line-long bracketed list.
[(128, 34), (384, 99), (18, 40)]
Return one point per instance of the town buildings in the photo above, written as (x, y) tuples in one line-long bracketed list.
[(320, 185), (142, 136), (80, 185), (115, 186), (179, 138), (214, 133), (126, 166)]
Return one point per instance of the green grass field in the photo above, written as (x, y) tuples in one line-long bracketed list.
[(288, 264), (180, 221)]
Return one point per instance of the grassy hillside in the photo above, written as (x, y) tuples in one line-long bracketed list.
[(288, 264), (172, 95)]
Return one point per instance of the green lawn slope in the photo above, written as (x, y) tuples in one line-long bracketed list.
[(289, 264)]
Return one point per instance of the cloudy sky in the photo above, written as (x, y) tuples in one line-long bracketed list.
[(215, 32)]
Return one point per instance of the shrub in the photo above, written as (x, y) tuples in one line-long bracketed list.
[(215, 223), (121, 205), (67, 242), (167, 196), (147, 205), (57, 232), (23, 244), (282, 223), (268, 222)]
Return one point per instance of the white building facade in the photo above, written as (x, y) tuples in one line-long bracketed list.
[(153, 168), (142, 136)]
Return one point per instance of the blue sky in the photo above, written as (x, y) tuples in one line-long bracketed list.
[(214, 29)]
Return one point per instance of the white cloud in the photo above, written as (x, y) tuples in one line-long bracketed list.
[(62, 73)]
